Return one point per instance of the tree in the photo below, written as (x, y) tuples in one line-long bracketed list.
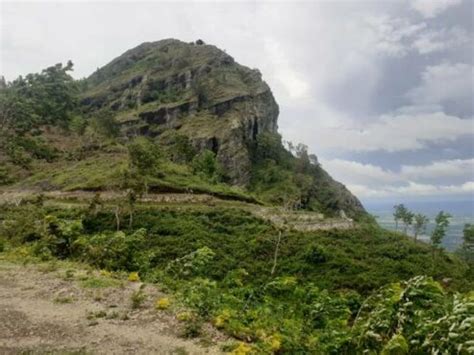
[(421, 221), (400, 211), (206, 163), (145, 159), (439, 232), (407, 220), (467, 247), (303, 163), (105, 124), (38, 99)]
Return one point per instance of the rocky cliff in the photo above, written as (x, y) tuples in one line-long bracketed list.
[(199, 91), (196, 89)]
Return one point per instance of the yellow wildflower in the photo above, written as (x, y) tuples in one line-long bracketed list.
[(162, 303), (242, 349), (133, 277)]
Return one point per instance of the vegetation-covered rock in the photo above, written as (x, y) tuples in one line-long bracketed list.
[(212, 121)]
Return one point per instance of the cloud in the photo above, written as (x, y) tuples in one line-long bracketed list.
[(390, 35), (443, 83), (431, 41), (413, 190), (352, 172), (341, 81), (398, 131), (296, 87), (432, 8), (439, 169), (368, 180)]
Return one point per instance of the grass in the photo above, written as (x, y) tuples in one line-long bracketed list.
[(137, 298), (97, 173), (100, 282), (64, 299), (320, 281)]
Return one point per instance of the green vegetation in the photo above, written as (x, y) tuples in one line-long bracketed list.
[(170, 117), (325, 292), (439, 232)]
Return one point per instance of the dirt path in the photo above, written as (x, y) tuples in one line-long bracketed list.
[(304, 221), (50, 312)]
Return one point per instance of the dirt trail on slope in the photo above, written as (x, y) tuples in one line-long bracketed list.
[(40, 312), (304, 221)]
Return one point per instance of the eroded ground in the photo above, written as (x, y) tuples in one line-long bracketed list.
[(44, 309)]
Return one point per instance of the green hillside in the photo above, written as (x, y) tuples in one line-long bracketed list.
[(166, 164)]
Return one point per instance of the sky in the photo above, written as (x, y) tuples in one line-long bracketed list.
[(381, 91)]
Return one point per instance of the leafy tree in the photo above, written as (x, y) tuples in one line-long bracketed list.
[(145, 159), (399, 213), (16, 112), (303, 163), (421, 221), (105, 124), (467, 248), (439, 232), (206, 163), (144, 155), (48, 97), (407, 220), (268, 146)]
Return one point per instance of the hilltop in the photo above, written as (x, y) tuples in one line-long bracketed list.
[(161, 183), (193, 101)]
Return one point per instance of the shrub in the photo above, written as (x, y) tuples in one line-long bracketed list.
[(316, 254), (192, 264), (162, 303), (133, 277), (205, 163), (114, 251), (138, 298)]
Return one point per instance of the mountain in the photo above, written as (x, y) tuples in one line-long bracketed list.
[(197, 90), (187, 98), (162, 88), (165, 167)]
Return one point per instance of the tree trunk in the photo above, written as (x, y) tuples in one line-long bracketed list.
[(117, 217)]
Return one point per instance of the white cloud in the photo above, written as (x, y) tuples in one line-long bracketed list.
[(440, 169), (367, 180), (412, 190), (432, 8), (431, 41), (390, 35), (444, 82), (396, 132), (352, 172), (296, 87)]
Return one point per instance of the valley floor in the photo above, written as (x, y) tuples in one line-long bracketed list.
[(42, 311)]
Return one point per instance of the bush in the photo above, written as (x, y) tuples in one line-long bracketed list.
[(205, 163), (316, 254), (114, 251), (192, 264)]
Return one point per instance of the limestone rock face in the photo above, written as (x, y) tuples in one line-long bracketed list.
[(170, 87), (198, 90)]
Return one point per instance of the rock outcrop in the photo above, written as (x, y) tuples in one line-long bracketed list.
[(199, 91), (196, 89)]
